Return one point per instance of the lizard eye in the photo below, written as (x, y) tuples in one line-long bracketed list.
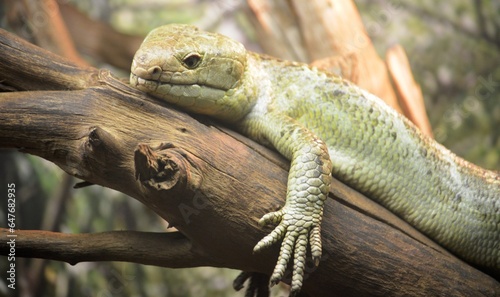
[(192, 60)]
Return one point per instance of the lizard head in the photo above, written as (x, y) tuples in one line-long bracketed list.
[(198, 71)]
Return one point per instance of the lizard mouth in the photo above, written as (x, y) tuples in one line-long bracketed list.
[(139, 82), (172, 91)]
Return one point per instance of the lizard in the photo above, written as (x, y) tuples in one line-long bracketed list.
[(325, 126)]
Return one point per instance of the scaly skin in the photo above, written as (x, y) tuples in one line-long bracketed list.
[(309, 115)]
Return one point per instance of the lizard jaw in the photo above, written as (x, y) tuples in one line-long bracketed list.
[(184, 95)]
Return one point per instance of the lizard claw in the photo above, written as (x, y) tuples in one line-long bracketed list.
[(295, 232)]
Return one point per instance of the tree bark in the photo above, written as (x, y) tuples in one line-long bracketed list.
[(209, 182)]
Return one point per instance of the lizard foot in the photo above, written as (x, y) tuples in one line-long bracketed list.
[(295, 230), (258, 285)]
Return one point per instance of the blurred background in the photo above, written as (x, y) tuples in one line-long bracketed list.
[(453, 48)]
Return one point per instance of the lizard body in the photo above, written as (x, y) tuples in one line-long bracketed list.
[(325, 125)]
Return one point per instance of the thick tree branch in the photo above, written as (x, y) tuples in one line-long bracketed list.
[(25, 67), (211, 184)]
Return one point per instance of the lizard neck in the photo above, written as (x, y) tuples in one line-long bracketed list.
[(240, 100), (260, 81)]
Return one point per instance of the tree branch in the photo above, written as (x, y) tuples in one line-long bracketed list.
[(210, 183), (159, 249), (25, 67)]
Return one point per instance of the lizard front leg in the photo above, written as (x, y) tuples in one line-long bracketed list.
[(299, 221)]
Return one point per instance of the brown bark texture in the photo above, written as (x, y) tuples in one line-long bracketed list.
[(207, 181)]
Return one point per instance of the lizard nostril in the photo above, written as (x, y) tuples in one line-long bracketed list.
[(155, 72)]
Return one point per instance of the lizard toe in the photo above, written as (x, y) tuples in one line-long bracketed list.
[(299, 261), (315, 243), (270, 239), (271, 218), (284, 257)]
